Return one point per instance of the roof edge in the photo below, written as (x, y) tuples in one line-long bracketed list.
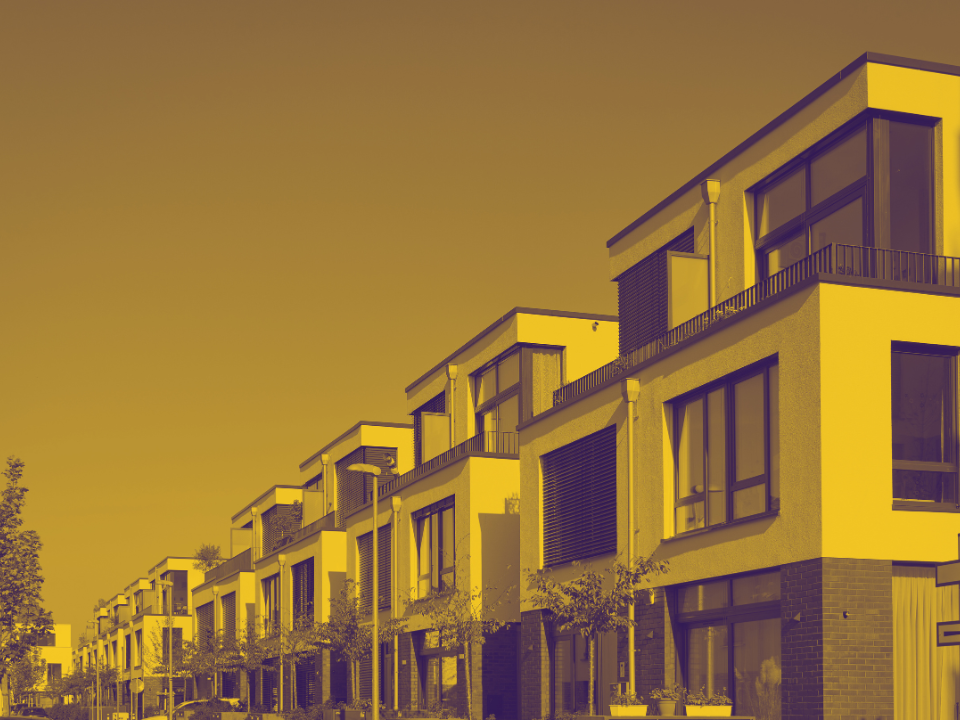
[(372, 423)]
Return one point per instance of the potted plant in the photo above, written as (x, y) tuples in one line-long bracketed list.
[(703, 705), (626, 705), (667, 698)]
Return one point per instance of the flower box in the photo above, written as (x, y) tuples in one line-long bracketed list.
[(712, 711)]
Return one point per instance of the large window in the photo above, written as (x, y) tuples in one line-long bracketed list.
[(869, 184), (497, 389), (436, 547), (580, 498), (303, 591), (731, 639), (924, 419), (271, 605), (727, 449), (439, 672)]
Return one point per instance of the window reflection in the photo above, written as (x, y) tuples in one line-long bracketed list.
[(834, 170), (783, 202)]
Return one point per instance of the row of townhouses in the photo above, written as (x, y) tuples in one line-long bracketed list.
[(774, 412)]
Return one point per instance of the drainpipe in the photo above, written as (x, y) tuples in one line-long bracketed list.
[(255, 549), (396, 502), (630, 388), (327, 496), (710, 189), (452, 374)]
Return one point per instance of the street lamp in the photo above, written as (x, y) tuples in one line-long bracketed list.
[(282, 559), (169, 584), (216, 637)]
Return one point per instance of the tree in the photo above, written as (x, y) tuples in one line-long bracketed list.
[(252, 650), (28, 672), (211, 653), (207, 557), (299, 642), (462, 621), (21, 614), (583, 605), (345, 634)]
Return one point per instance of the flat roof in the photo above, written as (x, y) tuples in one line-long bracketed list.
[(371, 423), (261, 496), (493, 326), (877, 58)]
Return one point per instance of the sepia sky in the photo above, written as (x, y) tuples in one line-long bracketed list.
[(229, 230)]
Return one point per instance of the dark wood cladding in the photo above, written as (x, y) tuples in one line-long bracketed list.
[(354, 489), (580, 498), (642, 296), (434, 405)]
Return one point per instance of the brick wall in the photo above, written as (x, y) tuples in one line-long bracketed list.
[(501, 674), (535, 628), (801, 641), (649, 653), (857, 649), (409, 676)]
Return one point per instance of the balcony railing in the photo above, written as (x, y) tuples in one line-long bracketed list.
[(486, 443), (846, 260), (238, 563)]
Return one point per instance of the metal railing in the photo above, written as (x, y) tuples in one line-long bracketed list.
[(493, 443), (324, 523), (847, 260), (239, 563)]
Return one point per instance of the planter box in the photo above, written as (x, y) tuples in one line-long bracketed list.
[(332, 714), (712, 711), (353, 714), (233, 716), (630, 711)]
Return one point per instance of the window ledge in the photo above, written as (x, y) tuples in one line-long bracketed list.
[(915, 506), (714, 528)]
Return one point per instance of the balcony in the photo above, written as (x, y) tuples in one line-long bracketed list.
[(486, 444), (243, 562), (836, 263)]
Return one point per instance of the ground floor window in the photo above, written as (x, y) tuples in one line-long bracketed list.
[(439, 673), (731, 640), (925, 677)]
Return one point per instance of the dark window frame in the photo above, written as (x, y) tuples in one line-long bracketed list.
[(951, 444), (446, 576), (728, 383), (864, 188), (500, 394)]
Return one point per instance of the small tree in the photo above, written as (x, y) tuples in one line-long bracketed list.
[(252, 650), (583, 605), (462, 621), (211, 653), (299, 642), (345, 635), (207, 557), (28, 672)]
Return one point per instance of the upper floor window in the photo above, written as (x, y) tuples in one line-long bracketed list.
[(303, 590), (365, 553), (924, 419), (271, 605), (436, 547), (870, 184), (580, 498), (727, 449), (497, 388)]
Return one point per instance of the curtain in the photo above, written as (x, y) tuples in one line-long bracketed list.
[(547, 377), (925, 677)]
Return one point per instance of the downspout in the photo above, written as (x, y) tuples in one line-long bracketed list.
[(255, 548), (452, 374), (630, 388), (710, 189), (396, 502), (328, 497)]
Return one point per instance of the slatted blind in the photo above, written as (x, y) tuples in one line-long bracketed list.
[(642, 296), (205, 621), (355, 489), (434, 405), (306, 683), (279, 521), (365, 550), (580, 498), (303, 590), (228, 604)]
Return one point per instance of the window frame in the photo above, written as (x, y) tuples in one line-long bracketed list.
[(731, 485), (951, 444), (500, 394), (445, 577), (865, 188)]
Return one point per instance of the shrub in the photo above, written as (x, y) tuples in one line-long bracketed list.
[(73, 711)]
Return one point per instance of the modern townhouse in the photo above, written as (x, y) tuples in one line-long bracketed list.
[(132, 634), (56, 651), (448, 507), (781, 423), (290, 566)]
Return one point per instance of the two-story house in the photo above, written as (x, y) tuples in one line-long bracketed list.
[(781, 424), (448, 506)]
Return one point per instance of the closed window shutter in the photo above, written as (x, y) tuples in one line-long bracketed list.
[(642, 296), (366, 678), (205, 621), (303, 590), (229, 609), (354, 489), (306, 683), (365, 550), (580, 498)]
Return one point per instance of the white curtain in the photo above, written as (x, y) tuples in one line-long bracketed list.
[(547, 377), (925, 677)]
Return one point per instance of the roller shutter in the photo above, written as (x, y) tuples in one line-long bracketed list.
[(365, 550)]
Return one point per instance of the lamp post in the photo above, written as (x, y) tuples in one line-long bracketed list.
[(216, 640), (374, 592), (96, 661), (282, 559), (169, 584)]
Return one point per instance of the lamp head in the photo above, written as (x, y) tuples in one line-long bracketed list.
[(364, 468)]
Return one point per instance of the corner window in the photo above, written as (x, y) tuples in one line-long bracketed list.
[(727, 449), (870, 184), (436, 547), (731, 639), (497, 390), (924, 424)]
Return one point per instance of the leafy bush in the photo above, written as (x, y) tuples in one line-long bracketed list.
[(73, 711)]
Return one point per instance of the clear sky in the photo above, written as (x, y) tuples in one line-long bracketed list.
[(229, 230)]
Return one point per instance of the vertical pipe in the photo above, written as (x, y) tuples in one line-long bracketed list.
[(452, 374), (395, 547), (375, 610), (328, 495), (710, 190), (630, 388)]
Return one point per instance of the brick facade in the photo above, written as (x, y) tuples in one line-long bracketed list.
[(535, 650), (501, 674), (801, 641), (409, 674)]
